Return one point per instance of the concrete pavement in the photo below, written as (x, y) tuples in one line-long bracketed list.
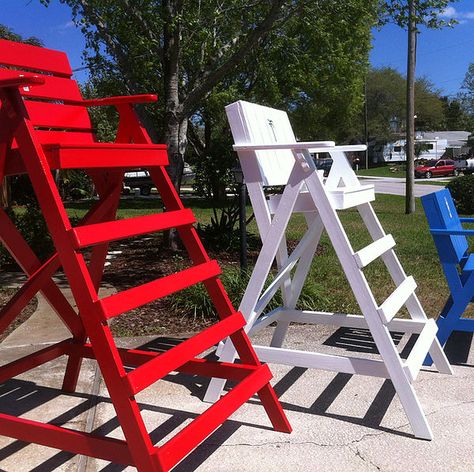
[(396, 186), (340, 421)]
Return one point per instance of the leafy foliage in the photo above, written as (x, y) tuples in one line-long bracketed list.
[(462, 191)]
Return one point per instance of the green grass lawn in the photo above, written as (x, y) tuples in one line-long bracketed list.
[(385, 171), (327, 288)]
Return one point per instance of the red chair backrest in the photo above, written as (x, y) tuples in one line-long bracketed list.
[(55, 107)]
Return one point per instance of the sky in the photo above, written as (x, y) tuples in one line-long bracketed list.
[(443, 56)]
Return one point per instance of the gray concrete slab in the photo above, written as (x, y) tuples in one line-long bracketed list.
[(340, 421)]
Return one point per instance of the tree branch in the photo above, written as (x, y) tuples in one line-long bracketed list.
[(214, 74)]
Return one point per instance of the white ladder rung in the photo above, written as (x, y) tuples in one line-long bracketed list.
[(420, 349), (374, 250), (396, 300), (342, 198)]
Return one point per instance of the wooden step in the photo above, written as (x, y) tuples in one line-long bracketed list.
[(89, 235), (396, 300), (420, 349), (155, 369), (347, 197), (119, 303), (374, 250)]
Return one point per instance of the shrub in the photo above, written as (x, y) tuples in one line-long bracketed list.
[(462, 191)]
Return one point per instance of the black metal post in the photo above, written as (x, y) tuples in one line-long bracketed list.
[(243, 225)]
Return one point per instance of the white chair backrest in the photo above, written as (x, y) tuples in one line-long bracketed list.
[(255, 124)]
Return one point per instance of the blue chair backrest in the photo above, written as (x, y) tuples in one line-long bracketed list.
[(441, 214)]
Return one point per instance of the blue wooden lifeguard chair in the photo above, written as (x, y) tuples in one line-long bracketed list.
[(451, 242)]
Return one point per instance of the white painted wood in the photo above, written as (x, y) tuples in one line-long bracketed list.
[(418, 353), (348, 321), (396, 300), (269, 155), (374, 250), (317, 360), (314, 147)]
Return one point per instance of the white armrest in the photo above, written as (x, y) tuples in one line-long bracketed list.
[(317, 146)]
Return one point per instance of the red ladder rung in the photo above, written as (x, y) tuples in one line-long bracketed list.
[(77, 442), (89, 235), (119, 303), (188, 438), (147, 374)]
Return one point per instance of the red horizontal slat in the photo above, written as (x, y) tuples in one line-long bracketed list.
[(52, 115), (54, 88), (197, 366), (147, 374), (47, 138), (146, 293), (31, 361), (77, 442), (111, 231), (34, 58), (199, 429), (105, 155)]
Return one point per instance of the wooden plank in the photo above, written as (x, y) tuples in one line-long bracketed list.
[(53, 88), (396, 300), (34, 58), (77, 442), (420, 349), (147, 374), (105, 156), (52, 115), (146, 293), (33, 360), (186, 440), (374, 250), (317, 360), (46, 137), (90, 235)]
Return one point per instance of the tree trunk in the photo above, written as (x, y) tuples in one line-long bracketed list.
[(410, 139)]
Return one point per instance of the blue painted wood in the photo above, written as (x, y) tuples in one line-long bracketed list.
[(451, 242)]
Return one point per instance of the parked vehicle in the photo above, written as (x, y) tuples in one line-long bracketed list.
[(138, 179), (466, 165), (441, 168), (325, 164)]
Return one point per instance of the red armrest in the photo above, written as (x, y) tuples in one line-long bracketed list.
[(120, 100), (13, 78)]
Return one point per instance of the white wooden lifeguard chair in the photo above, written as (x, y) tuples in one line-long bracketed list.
[(270, 156)]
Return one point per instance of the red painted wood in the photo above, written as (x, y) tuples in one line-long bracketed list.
[(90, 235), (184, 442), (77, 442), (197, 366), (144, 98), (31, 361), (17, 80), (146, 293), (149, 373), (35, 58), (105, 163), (47, 87), (105, 156), (52, 115)]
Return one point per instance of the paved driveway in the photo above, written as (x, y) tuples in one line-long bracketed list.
[(395, 186)]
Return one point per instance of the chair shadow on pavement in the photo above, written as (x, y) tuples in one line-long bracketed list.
[(22, 396)]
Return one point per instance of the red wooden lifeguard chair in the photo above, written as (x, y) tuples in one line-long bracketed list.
[(44, 125)]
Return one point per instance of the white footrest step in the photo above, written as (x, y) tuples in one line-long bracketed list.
[(420, 349), (348, 197), (396, 300), (374, 250)]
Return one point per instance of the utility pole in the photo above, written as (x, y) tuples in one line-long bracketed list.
[(410, 138), (366, 135)]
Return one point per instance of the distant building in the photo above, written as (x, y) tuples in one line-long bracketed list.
[(435, 144)]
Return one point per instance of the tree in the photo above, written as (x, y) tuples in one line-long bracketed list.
[(467, 91), (386, 101), (183, 49), (410, 14)]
